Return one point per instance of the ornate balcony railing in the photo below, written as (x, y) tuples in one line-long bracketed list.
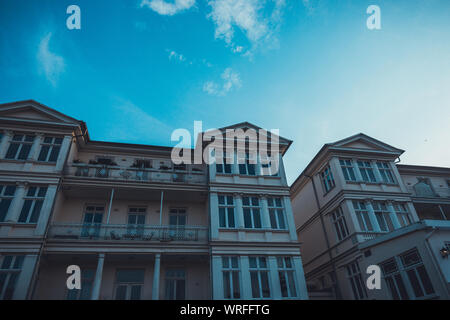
[(102, 232), (192, 174)]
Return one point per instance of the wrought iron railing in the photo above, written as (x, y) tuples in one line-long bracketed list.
[(99, 232)]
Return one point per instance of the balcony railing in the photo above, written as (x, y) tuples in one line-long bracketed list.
[(192, 175), (101, 232), (365, 235)]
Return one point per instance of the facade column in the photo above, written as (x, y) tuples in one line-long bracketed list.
[(351, 210), (35, 148), (214, 212), (25, 276), (290, 218), (265, 221), (98, 277), (16, 204), (376, 171), (239, 211), (274, 278), (393, 216), (156, 276), (300, 275), (412, 212), (372, 217), (356, 170), (245, 276), (217, 279), (65, 147), (46, 210), (4, 143), (336, 167)]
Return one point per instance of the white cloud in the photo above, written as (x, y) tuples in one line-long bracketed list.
[(176, 56), (230, 80), (253, 17), (166, 8), (50, 63)]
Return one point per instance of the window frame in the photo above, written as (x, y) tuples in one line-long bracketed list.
[(340, 224), (275, 212), (287, 273), (36, 200), (326, 176), (253, 211), (51, 147), (225, 214), (21, 143), (367, 171), (386, 173), (228, 268), (259, 270), (6, 197), (348, 170)]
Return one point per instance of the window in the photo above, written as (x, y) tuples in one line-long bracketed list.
[(129, 284), (385, 172), (270, 165), (50, 149), (394, 280), (365, 167), (276, 213), (175, 284), (417, 274), (356, 281), (20, 147), (327, 179), (136, 222), (92, 221), (339, 224), (252, 212), (402, 214), (362, 214), (223, 164), (383, 216), (287, 277), (226, 211), (347, 169), (177, 222), (248, 167), (87, 280), (32, 205), (9, 273), (6, 197), (259, 276), (231, 283)]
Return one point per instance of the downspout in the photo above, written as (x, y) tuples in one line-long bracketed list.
[(435, 262), (333, 264)]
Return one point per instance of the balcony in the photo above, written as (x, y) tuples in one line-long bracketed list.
[(110, 232), (191, 175), (441, 193)]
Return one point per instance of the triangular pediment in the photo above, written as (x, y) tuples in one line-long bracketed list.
[(247, 125), (364, 142), (31, 110)]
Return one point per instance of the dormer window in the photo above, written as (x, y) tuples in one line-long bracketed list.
[(365, 167), (249, 165)]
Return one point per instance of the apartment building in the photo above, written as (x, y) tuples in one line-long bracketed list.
[(355, 206), (138, 225)]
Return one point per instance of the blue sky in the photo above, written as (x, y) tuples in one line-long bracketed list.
[(137, 70)]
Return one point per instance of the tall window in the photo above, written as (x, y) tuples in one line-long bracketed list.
[(347, 169), (276, 213), (356, 281), (223, 164), (249, 165), (365, 167), (175, 284), (252, 212), (327, 179), (402, 214), (339, 223), (136, 221), (286, 274), (231, 283), (32, 205), (226, 211), (129, 284), (394, 280), (6, 197), (9, 273), (383, 216), (87, 280), (177, 222), (50, 149), (417, 274), (20, 147), (385, 172), (259, 275), (92, 221), (362, 214)]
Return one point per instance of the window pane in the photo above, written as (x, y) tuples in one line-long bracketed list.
[(425, 280), (54, 154), (43, 154), (415, 283), (226, 285), (255, 284), (231, 217), (265, 284), (236, 286), (36, 211), (136, 292), (121, 292), (25, 210), (23, 154)]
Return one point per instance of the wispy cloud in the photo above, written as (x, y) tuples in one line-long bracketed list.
[(230, 80), (50, 64), (168, 8), (173, 55), (258, 20)]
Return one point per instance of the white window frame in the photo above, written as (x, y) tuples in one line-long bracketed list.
[(37, 199), (4, 196), (387, 176), (326, 176), (22, 142), (356, 281), (340, 224), (232, 270), (12, 272), (401, 210), (348, 170), (129, 284), (226, 206), (254, 211), (286, 272), (362, 215), (259, 270), (382, 215), (54, 144), (367, 171), (276, 213)]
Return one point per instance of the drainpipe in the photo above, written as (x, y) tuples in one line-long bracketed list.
[(333, 264), (110, 205), (435, 262), (161, 208)]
